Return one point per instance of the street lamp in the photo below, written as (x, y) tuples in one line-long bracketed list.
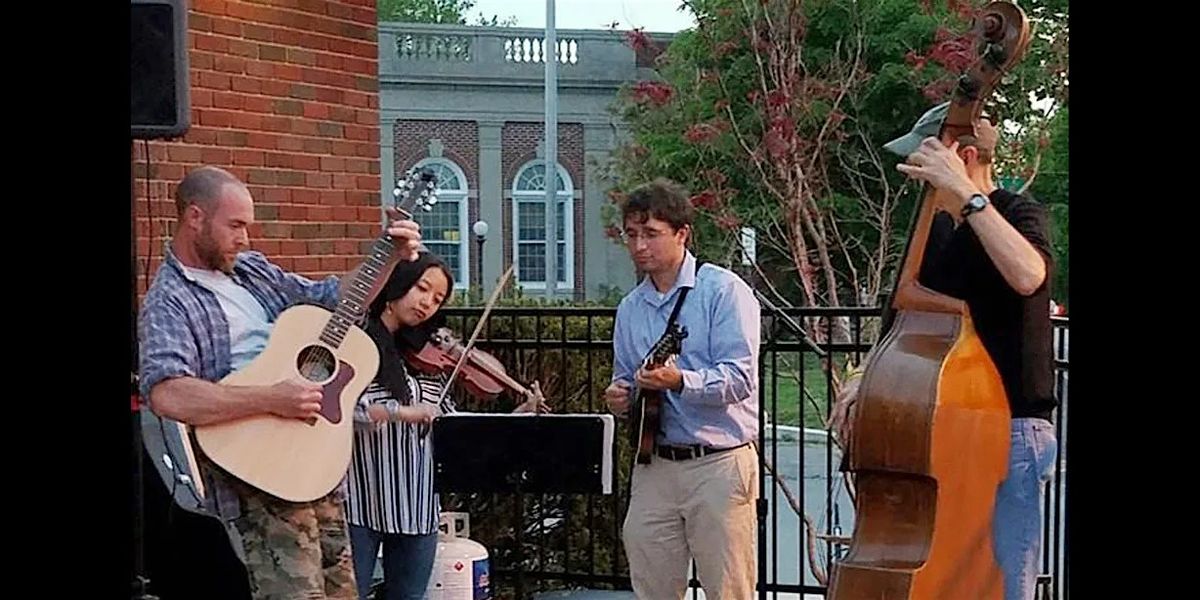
[(480, 229)]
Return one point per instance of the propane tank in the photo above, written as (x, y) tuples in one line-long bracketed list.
[(460, 568)]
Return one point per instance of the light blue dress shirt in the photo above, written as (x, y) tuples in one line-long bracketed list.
[(718, 405)]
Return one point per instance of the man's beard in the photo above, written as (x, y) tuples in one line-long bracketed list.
[(206, 248)]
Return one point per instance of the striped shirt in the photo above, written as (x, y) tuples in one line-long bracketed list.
[(390, 487)]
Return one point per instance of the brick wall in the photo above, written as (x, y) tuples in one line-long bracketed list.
[(460, 142), (519, 144), (459, 138), (286, 97)]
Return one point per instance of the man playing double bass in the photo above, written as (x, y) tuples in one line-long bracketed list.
[(991, 248)]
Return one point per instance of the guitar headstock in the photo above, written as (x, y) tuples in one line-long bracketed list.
[(1002, 34), (418, 190)]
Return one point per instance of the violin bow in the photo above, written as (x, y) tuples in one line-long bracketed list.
[(478, 327)]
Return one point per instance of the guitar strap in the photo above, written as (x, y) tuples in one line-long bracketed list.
[(683, 294)]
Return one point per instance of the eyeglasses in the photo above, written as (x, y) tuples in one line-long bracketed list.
[(649, 235)]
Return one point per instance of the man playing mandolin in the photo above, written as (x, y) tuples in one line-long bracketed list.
[(209, 312), (696, 496), (991, 248)]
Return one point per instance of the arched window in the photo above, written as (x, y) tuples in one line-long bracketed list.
[(529, 226), (444, 228)]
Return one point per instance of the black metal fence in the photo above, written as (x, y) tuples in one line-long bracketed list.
[(547, 541)]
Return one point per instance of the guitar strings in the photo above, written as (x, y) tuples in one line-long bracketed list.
[(314, 357)]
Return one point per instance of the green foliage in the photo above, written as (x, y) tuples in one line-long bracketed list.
[(702, 122), (668, 142), (1051, 187), (435, 11), (1052, 182)]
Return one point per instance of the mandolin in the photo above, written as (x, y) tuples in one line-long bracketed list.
[(646, 407), (930, 431)]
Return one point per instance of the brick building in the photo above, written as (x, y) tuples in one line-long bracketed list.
[(469, 101), (318, 108), (286, 96)]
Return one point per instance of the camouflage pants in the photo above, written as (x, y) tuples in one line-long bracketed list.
[(296, 551)]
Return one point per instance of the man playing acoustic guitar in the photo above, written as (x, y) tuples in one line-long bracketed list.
[(696, 497), (209, 312)]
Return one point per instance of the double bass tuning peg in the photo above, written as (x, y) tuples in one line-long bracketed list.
[(995, 54), (969, 87)]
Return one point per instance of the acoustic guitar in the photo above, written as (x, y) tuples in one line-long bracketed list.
[(930, 434), (303, 460)]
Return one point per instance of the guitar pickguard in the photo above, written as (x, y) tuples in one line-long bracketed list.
[(331, 399)]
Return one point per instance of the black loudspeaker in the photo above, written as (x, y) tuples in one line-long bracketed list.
[(159, 100)]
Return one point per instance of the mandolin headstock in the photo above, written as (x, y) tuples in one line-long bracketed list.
[(670, 344)]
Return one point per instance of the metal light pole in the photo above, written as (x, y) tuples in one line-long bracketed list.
[(480, 228), (550, 57)]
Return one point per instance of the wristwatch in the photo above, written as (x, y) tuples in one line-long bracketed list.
[(975, 203)]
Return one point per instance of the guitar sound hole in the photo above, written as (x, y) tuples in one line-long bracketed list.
[(316, 364)]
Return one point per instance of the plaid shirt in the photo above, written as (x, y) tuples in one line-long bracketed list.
[(182, 330)]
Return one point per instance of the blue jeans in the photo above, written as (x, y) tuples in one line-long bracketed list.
[(1017, 524), (407, 562)]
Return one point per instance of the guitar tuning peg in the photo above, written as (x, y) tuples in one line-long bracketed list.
[(432, 199), (427, 206), (396, 191)]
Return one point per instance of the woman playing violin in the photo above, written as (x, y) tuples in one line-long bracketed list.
[(391, 501)]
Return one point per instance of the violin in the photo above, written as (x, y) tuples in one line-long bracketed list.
[(482, 375)]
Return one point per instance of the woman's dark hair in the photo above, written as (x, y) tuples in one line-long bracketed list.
[(391, 346)]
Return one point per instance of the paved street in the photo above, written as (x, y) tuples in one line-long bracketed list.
[(787, 558)]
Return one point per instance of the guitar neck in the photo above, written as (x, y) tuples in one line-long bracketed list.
[(353, 303)]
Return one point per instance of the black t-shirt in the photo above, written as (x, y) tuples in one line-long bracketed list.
[(1014, 329)]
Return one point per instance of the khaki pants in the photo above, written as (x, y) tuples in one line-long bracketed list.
[(701, 508)]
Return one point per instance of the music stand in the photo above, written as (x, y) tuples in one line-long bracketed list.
[(523, 453)]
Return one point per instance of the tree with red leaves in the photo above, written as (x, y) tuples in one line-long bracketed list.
[(773, 113), (790, 102)]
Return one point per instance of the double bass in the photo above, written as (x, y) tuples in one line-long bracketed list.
[(930, 427)]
